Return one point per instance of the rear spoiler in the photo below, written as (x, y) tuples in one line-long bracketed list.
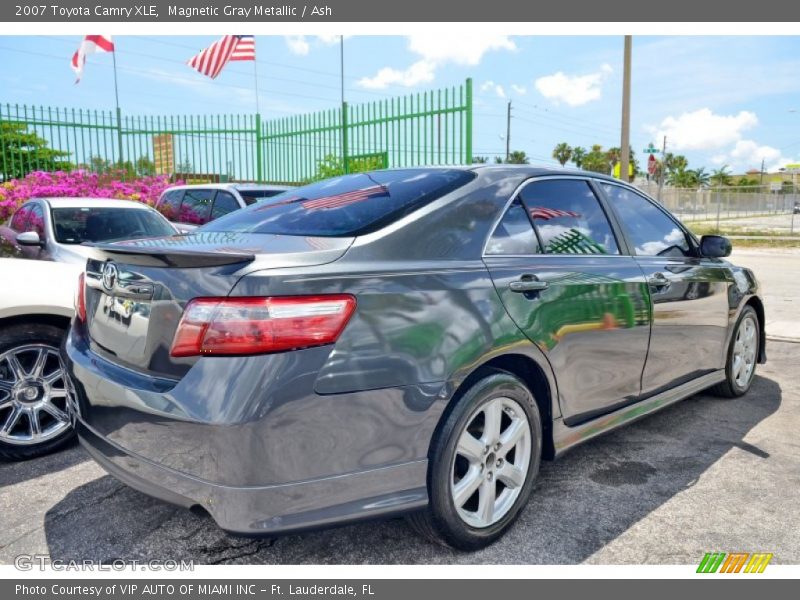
[(164, 257)]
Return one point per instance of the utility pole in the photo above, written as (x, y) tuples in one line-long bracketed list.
[(508, 131), (761, 178), (625, 145), (663, 168)]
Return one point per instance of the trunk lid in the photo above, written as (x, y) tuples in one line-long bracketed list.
[(136, 291)]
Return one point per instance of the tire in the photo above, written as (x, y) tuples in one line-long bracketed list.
[(505, 474), (33, 389), (744, 346)]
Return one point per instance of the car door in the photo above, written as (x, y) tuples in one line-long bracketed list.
[(689, 293), (567, 283)]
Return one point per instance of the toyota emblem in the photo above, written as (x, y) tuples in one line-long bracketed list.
[(110, 274)]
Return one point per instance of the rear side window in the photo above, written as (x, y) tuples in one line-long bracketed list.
[(36, 220), (514, 234), (20, 220), (651, 231), (196, 206), (568, 217), (224, 203), (345, 206), (170, 204)]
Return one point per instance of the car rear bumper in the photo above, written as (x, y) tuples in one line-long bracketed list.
[(277, 458), (270, 509)]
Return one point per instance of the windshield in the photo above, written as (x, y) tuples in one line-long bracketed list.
[(89, 224), (345, 206)]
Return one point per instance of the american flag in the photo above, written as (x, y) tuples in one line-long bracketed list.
[(213, 59), (545, 214), (341, 200), (90, 45)]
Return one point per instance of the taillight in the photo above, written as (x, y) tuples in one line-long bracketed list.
[(80, 298), (240, 326)]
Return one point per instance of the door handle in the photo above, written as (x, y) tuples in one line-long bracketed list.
[(527, 283)]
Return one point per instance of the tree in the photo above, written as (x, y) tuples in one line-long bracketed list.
[(480, 160), (517, 157), (700, 177), (681, 178), (562, 153), (144, 166), (721, 176), (185, 166), (596, 160), (24, 151), (578, 155)]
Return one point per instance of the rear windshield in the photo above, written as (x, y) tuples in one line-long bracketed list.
[(91, 224), (345, 206), (253, 196)]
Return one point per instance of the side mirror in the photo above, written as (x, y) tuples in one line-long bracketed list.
[(29, 238), (715, 246)]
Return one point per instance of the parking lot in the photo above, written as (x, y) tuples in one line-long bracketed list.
[(705, 474)]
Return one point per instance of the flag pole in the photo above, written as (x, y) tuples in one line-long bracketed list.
[(116, 98), (255, 73)]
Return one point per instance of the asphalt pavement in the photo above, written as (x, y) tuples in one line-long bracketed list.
[(705, 474)]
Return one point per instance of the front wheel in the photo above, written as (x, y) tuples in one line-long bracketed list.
[(34, 417), (740, 367), (483, 464)]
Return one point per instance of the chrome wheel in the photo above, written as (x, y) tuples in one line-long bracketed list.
[(745, 349), (33, 395), (491, 462)]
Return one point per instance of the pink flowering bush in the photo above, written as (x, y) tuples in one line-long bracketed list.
[(41, 184)]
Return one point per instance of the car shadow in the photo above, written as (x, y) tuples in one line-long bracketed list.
[(12, 471), (583, 501)]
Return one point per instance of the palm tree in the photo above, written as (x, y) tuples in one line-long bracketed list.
[(596, 160), (562, 153), (721, 176), (578, 154), (518, 157), (681, 178), (480, 160), (700, 176)]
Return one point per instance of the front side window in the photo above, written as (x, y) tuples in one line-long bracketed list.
[(196, 207), (514, 234), (36, 220), (650, 230), (345, 206), (20, 220), (568, 217)]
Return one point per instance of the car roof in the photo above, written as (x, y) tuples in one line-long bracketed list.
[(93, 203)]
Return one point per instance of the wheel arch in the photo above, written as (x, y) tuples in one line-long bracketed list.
[(758, 306), (537, 378), (60, 321)]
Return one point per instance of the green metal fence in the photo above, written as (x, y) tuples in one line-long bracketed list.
[(433, 127)]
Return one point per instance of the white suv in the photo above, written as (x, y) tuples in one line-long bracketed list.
[(189, 206)]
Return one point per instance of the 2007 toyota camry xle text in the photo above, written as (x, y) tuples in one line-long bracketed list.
[(401, 341)]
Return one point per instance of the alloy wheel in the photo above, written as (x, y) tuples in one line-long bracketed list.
[(745, 348), (33, 395), (491, 462)]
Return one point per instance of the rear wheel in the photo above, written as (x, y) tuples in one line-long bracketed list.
[(740, 367), (483, 464), (34, 418)]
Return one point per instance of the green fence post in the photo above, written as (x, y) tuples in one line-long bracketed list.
[(468, 144), (345, 149), (119, 135), (259, 171)]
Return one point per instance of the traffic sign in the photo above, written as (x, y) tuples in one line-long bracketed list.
[(652, 164), (651, 149)]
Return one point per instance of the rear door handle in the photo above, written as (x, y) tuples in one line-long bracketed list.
[(527, 284)]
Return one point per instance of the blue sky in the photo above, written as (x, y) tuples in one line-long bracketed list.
[(720, 100)]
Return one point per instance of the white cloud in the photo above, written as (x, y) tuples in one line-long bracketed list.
[(298, 44), (703, 130), (519, 90), (748, 154), (434, 52), (573, 90), (491, 86)]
